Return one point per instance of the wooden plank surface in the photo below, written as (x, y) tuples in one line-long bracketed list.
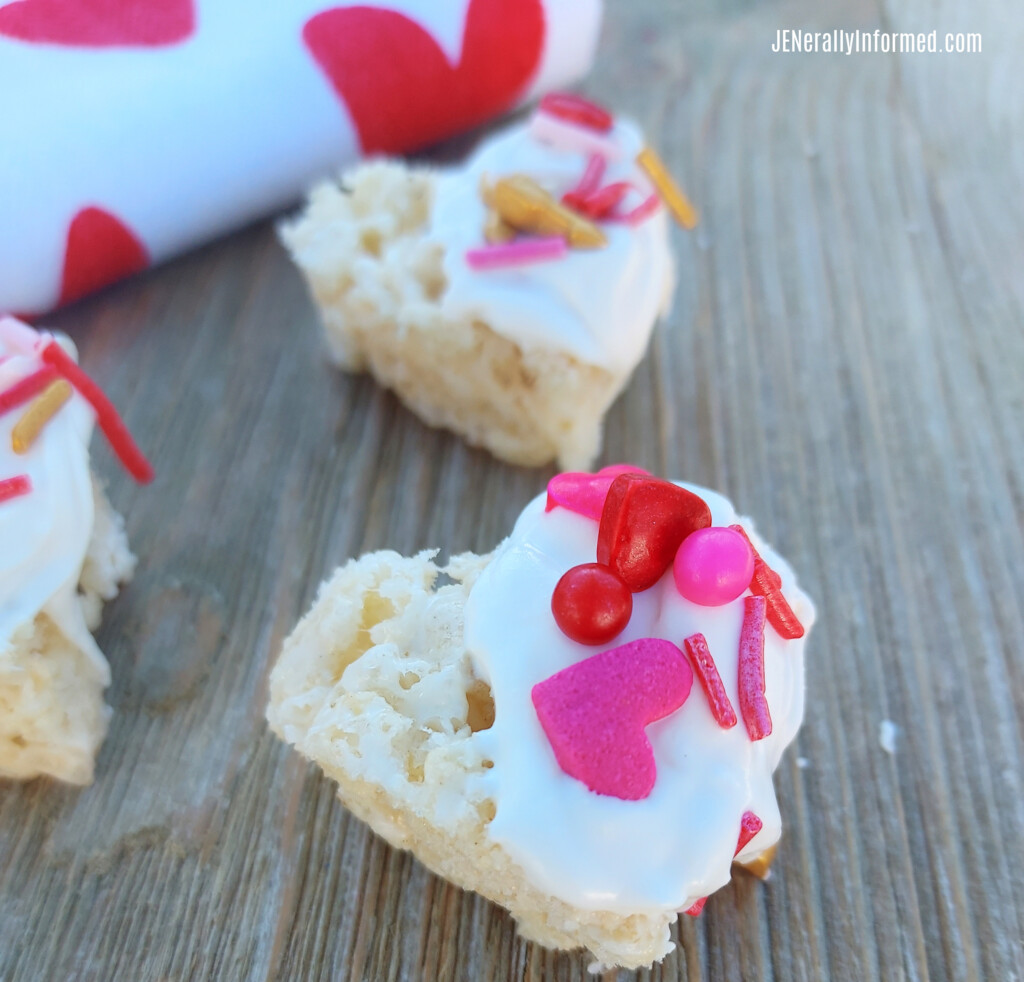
[(845, 359)]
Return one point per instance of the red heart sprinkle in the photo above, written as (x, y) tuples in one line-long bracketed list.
[(585, 493), (643, 522), (591, 604), (614, 470), (594, 714)]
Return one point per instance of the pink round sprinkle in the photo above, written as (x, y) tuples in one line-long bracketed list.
[(713, 566)]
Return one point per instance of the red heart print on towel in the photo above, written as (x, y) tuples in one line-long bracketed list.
[(100, 249), (399, 86), (99, 23), (594, 713)]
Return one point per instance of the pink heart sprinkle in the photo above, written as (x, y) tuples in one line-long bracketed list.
[(594, 714), (585, 493)]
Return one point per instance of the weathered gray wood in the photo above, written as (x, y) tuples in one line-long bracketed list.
[(845, 359)]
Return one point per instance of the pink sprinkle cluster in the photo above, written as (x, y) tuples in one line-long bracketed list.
[(594, 712)]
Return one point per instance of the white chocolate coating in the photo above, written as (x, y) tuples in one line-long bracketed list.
[(599, 852), (45, 533), (599, 305)]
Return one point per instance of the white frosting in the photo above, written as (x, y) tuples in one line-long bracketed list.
[(600, 304), (45, 533), (600, 852)]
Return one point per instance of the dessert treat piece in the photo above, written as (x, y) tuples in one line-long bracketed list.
[(64, 553), (595, 785), (510, 298)]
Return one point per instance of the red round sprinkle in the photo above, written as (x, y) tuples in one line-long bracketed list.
[(575, 109), (591, 604)]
